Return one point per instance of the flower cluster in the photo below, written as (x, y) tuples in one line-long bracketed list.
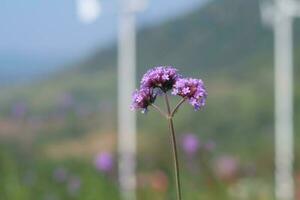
[(142, 98), (166, 78), (192, 89), (163, 77)]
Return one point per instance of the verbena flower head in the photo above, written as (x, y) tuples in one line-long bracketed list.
[(163, 77), (142, 98), (192, 89)]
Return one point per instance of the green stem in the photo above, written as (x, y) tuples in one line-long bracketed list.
[(159, 110), (174, 143), (177, 107)]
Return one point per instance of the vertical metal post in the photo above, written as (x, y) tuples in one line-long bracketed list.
[(283, 36), (126, 118), (280, 15)]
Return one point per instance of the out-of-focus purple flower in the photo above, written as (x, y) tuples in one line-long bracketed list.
[(60, 175), (209, 145), (190, 144), (104, 162), (142, 98), (192, 89), (19, 110), (163, 77), (74, 185), (226, 168)]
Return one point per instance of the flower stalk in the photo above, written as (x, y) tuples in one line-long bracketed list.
[(177, 106), (159, 110), (174, 144)]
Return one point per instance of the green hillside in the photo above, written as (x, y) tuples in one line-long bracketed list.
[(221, 35)]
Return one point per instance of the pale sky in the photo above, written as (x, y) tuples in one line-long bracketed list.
[(39, 36), (51, 28)]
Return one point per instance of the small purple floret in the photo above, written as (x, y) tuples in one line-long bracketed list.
[(192, 89), (142, 98), (163, 77)]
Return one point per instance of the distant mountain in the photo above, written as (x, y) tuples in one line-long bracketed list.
[(15, 69), (224, 34)]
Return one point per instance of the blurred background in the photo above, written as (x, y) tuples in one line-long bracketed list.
[(58, 101)]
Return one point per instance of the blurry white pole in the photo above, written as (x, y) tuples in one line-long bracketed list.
[(126, 118), (283, 31), (88, 11), (280, 16), (126, 86)]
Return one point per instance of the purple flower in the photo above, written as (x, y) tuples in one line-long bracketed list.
[(163, 77), (190, 144), (142, 98), (104, 162), (192, 89), (60, 175), (160, 80)]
